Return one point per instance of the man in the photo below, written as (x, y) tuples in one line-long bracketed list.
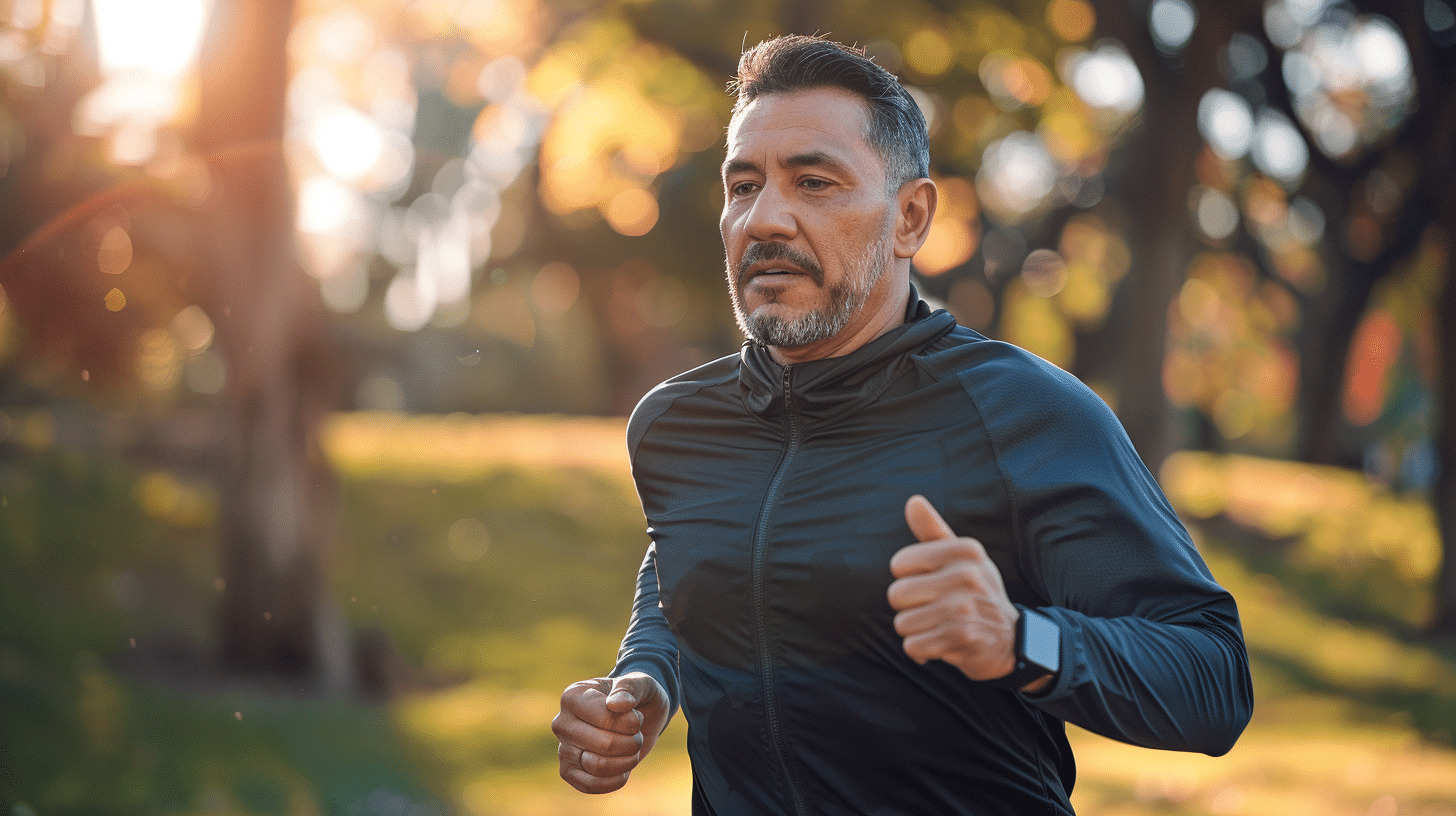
[(889, 556)]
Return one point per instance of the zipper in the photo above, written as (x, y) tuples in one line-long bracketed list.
[(760, 558)]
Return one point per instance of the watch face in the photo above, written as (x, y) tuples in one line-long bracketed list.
[(1043, 641)]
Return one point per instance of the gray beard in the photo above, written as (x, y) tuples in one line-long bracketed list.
[(846, 298)]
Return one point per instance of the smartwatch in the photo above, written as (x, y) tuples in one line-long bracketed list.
[(1038, 650)]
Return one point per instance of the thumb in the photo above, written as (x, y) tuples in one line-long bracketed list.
[(627, 692), (925, 523)]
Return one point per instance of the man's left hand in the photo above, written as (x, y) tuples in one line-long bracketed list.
[(950, 599)]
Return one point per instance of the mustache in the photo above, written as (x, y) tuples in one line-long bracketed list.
[(778, 251)]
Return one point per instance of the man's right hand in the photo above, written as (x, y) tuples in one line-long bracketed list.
[(606, 726)]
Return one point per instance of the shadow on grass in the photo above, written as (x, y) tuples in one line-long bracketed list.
[(1369, 592), (1430, 711)]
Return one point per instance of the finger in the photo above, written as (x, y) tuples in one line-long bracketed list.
[(979, 658), (913, 592), (578, 736), (939, 643), (916, 559), (631, 691), (587, 699), (587, 783), (963, 612), (607, 766), (589, 702), (598, 764), (925, 523)]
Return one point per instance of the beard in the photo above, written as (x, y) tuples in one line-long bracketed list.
[(846, 297)]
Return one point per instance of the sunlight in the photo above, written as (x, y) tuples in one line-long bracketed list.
[(348, 143), (145, 49), (161, 37)]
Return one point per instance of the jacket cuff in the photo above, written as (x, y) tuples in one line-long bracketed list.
[(1071, 659), (664, 675)]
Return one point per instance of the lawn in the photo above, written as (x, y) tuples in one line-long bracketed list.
[(495, 556)]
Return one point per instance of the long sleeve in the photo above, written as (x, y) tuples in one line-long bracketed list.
[(1152, 650), (649, 645)]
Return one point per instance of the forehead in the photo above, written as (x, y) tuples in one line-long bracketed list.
[(774, 126)]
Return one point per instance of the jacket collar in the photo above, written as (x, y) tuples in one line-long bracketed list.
[(835, 385)]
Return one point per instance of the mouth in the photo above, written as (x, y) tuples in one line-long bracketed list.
[(772, 273), (776, 262)]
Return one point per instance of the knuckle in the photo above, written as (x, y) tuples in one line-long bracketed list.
[(962, 573), (968, 548), (903, 626), (961, 607)]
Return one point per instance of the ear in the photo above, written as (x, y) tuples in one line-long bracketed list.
[(916, 209)]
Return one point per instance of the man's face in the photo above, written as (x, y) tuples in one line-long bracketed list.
[(806, 218)]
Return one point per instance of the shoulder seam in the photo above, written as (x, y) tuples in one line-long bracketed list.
[(1009, 495), (664, 392)]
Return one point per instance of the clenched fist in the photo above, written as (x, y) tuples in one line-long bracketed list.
[(605, 728), (950, 601)]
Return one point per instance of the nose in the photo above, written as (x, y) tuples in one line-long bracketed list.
[(770, 217)]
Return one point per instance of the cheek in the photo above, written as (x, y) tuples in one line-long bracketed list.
[(728, 217)]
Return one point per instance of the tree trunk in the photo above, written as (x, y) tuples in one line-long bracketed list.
[(1434, 126), (1163, 149), (277, 491)]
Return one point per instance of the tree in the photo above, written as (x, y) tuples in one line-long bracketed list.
[(78, 225), (277, 489)]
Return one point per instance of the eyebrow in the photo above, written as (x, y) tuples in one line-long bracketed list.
[(813, 158)]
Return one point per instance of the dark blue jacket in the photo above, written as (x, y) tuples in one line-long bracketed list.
[(775, 498)]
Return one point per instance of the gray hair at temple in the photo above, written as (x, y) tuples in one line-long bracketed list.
[(795, 62)]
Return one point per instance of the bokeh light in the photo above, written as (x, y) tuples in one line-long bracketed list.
[(1014, 81), (929, 52), (1171, 23), (1351, 81), (1244, 57), (955, 232), (1017, 173), (1226, 123), (114, 254), (1441, 20), (1044, 273), (1105, 77), (1072, 20), (632, 212), (1215, 212), (1278, 149)]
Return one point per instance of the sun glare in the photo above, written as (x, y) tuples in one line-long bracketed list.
[(145, 48), (156, 36)]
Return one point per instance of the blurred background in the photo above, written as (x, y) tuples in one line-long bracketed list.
[(319, 321)]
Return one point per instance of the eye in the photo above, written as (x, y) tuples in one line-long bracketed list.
[(742, 188), (814, 183)]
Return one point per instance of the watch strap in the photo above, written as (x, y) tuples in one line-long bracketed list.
[(1026, 670)]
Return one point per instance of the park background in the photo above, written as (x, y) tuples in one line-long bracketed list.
[(320, 321)]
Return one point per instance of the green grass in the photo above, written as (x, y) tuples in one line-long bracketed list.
[(503, 571)]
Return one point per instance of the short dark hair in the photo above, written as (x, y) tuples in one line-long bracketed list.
[(795, 62)]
